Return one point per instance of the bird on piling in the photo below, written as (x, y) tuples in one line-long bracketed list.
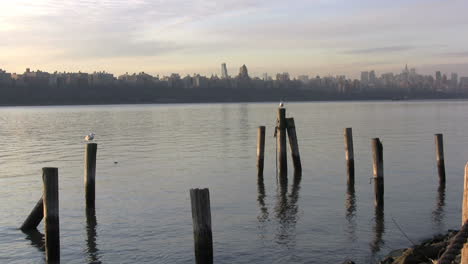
[(281, 104), (90, 136)]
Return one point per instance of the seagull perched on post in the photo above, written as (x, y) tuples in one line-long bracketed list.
[(90, 136), (281, 104)]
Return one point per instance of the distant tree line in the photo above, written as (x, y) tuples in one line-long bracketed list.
[(154, 93)]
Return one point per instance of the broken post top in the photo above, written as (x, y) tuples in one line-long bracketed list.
[(281, 120), (290, 122), (48, 172)]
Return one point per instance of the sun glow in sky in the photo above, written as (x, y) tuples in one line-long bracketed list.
[(298, 36)]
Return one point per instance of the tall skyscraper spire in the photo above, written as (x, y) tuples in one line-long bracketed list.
[(224, 73)]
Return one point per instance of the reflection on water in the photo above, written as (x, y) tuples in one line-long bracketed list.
[(379, 230), (286, 209), (261, 200), (91, 223), (36, 238), (351, 211), (438, 213)]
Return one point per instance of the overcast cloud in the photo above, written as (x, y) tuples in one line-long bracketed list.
[(300, 36)]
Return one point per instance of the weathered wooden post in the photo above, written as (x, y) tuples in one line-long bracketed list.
[(51, 214), (260, 149), (296, 157), (281, 143), (34, 218), (439, 141), (464, 253), (459, 241), (377, 150), (90, 174), (349, 149), (201, 217)]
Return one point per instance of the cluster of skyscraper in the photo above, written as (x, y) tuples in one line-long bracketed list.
[(408, 80)]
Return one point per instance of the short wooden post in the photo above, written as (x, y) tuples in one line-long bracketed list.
[(51, 214), (281, 143), (349, 149), (90, 174), (464, 253), (34, 218), (439, 141), (296, 157), (377, 150), (201, 217), (260, 149)]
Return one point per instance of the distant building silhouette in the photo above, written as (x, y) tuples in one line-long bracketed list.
[(243, 72), (282, 77), (224, 73), (372, 77), (454, 82), (365, 77)]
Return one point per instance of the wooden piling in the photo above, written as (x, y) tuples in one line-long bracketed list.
[(439, 141), (90, 174), (349, 149), (34, 218), (260, 149), (464, 253), (296, 157), (281, 143), (201, 217), (51, 214), (377, 150)]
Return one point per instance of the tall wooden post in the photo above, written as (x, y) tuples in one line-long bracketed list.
[(201, 217), (281, 143), (292, 136), (51, 214), (34, 218), (90, 174), (349, 149), (439, 141), (377, 150), (464, 253), (260, 149)]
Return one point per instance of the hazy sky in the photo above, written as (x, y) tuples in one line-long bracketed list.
[(188, 36)]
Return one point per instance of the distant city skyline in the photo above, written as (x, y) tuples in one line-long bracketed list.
[(224, 71), (301, 37)]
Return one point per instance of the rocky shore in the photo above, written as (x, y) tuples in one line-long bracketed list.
[(426, 252)]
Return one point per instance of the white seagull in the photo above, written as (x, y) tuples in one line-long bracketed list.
[(89, 137), (281, 104)]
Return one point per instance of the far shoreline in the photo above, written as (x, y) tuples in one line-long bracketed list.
[(188, 102)]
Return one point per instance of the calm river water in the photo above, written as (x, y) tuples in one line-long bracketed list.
[(143, 207)]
